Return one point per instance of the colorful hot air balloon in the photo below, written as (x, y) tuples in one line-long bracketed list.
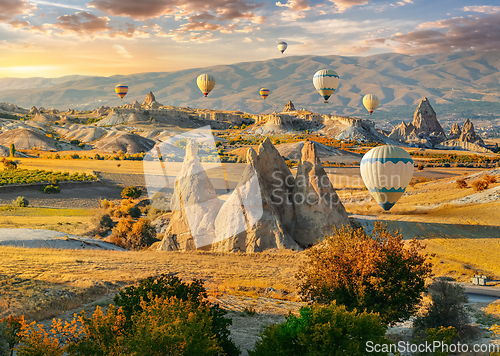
[(282, 46), (370, 102), (326, 82), (386, 171), (121, 90), (264, 92), (206, 83)]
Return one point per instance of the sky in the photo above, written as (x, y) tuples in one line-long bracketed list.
[(53, 38)]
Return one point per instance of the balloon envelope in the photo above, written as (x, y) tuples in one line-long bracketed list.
[(264, 92), (121, 90), (326, 82), (370, 102), (387, 171), (206, 83), (282, 46)]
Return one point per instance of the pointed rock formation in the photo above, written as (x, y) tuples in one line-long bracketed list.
[(289, 107), (34, 111), (194, 205), (317, 206), (150, 98), (401, 132), (249, 220), (469, 134), (425, 121), (455, 132)]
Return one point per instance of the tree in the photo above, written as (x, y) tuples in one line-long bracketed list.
[(323, 331), (131, 192), (375, 272), (12, 150), (20, 202)]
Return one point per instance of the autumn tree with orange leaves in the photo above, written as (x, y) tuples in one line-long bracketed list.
[(378, 272)]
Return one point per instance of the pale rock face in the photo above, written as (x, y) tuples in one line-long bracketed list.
[(194, 204), (469, 134), (150, 98), (248, 221), (34, 111), (317, 206), (136, 105), (455, 132), (289, 107), (424, 119), (401, 132)]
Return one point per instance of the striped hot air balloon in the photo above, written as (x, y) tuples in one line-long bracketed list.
[(370, 102), (282, 46), (206, 83), (387, 171), (264, 92), (326, 82), (121, 90)]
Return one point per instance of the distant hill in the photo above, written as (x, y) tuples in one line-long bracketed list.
[(465, 79)]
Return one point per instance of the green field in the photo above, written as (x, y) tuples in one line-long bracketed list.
[(25, 176)]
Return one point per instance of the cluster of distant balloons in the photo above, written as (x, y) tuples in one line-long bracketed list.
[(326, 81)]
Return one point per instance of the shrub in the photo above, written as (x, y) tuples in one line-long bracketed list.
[(461, 183), (131, 192), (101, 224), (75, 142), (480, 185), (167, 286), (12, 150), (9, 165), (141, 235), (443, 336), (420, 167), (127, 208), (9, 329), (447, 309), (330, 331), (49, 189), (377, 273), (20, 202), (4, 345), (490, 179)]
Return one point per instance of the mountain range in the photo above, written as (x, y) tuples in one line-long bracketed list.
[(456, 81)]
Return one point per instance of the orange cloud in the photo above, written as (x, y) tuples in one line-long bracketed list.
[(11, 8)]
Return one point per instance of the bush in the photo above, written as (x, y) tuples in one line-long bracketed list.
[(447, 309), (378, 273), (461, 183), (8, 164), (167, 286), (101, 224), (127, 208), (443, 336), (480, 185), (20, 202), (330, 331), (9, 329), (420, 167), (4, 345), (131, 192), (75, 142), (49, 189), (490, 179), (142, 235)]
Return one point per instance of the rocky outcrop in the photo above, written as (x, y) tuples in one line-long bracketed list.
[(267, 209), (102, 110), (317, 206), (462, 145), (249, 221), (401, 131), (194, 206), (455, 132), (289, 107), (150, 98), (425, 121), (469, 134), (34, 111)]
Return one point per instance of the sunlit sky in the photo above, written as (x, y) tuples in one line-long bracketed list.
[(107, 37)]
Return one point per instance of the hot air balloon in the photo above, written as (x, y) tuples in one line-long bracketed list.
[(326, 82), (206, 83), (282, 46), (370, 102), (121, 90), (387, 171), (264, 92)]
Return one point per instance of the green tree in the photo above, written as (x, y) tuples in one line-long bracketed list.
[(12, 150), (131, 192), (375, 272), (329, 330), (21, 202)]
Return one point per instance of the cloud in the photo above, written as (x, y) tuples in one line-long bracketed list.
[(144, 9), (122, 51), (456, 34), (247, 40), (343, 5), (295, 5), (11, 8), (19, 24), (486, 9)]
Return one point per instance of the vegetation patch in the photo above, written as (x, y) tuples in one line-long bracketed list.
[(25, 176)]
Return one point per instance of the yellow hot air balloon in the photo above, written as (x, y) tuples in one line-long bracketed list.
[(370, 102), (121, 90), (282, 46), (206, 83), (387, 171), (326, 82), (264, 92)]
